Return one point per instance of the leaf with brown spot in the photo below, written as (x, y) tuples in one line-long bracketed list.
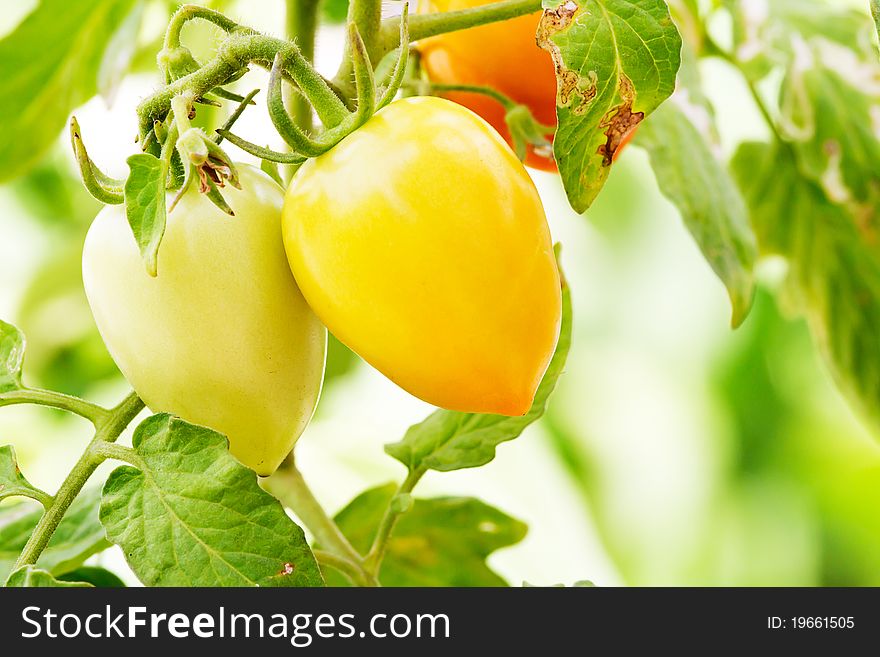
[(616, 62)]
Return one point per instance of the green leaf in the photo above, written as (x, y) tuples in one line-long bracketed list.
[(11, 357), (12, 481), (49, 65), (191, 515), (772, 33), (31, 576), (145, 205), (119, 53), (78, 537), (451, 440), (711, 206), (616, 62), (98, 577), (875, 12), (441, 541), (834, 264), (831, 117)]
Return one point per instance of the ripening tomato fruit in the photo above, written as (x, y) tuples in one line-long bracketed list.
[(222, 337), (421, 242), (504, 56)]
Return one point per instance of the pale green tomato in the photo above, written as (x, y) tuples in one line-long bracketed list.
[(222, 337)]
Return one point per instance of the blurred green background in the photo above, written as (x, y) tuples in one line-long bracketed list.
[(675, 451)]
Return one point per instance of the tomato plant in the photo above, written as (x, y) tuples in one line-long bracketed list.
[(412, 231)]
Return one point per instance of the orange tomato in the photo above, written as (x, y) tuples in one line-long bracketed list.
[(504, 56)]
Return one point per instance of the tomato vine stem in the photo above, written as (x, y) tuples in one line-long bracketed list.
[(289, 486), (92, 412), (373, 560), (350, 569), (302, 25), (422, 26), (712, 49), (366, 15), (244, 46), (108, 429), (187, 13)]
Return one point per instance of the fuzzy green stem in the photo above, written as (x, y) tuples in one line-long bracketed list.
[(422, 26), (289, 486), (116, 452), (244, 46), (302, 24), (366, 15), (108, 431), (420, 87), (348, 568), (242, 106), (92, 412), (104, 188), (188, 12), (373, 560), (233, 55)]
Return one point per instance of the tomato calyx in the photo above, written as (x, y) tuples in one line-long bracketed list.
[(202, 158), (526, 131)]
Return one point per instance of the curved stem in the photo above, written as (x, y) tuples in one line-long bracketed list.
[(108, 431), (292, 134), (104, 188), (117, 452), (328, 106), (92, 412), (289, 486), (365, 84), (236, 52), (353, 571), (366, 15), (373, 560), (187, 13), (712, 49), (395, 80), (431, 87)]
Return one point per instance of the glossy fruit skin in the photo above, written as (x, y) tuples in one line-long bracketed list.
[(421, 242), (504, 56), (222, 336)]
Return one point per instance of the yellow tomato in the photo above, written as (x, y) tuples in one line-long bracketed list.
[(222, 337), (421, 242)]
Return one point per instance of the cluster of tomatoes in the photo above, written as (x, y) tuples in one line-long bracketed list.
[(419, 240)]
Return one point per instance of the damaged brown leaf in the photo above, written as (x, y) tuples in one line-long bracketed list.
[(616, 62)]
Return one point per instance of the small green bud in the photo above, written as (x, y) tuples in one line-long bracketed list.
[(401, 503)]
